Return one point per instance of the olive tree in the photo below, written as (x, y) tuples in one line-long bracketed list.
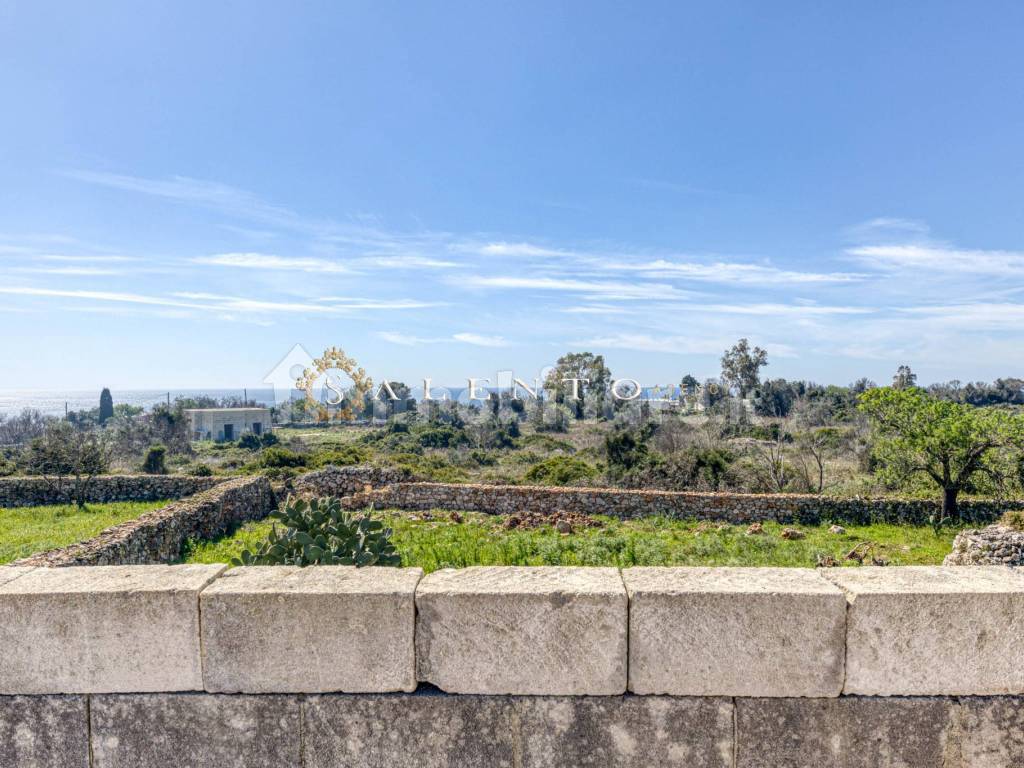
[(950, 443), (66, 454)]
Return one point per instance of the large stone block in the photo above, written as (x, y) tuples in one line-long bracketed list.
[(102, 629), (993, 732), (195, 731), (626, 731), (409, 731), (44, 732), (848, 732), (541, 631), (310, 630), (735, 632), (921, 630)]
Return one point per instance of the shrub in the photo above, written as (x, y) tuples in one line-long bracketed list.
[(198, 470), (155, 462), (281, 458), (442, 436), (1013, 519), (342, 457), (320, 532), (269, 439), (250, 442), (560, 470)]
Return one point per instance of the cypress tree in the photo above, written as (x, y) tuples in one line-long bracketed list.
[(106, 406)]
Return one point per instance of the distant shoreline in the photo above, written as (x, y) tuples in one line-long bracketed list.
[(52, 402)]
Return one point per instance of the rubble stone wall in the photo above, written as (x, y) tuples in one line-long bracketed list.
[(37, 491), (158, 536), (739, 508)]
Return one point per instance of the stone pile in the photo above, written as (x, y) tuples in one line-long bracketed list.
[(994, 545)]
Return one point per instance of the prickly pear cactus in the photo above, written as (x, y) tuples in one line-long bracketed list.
[(319, 532)]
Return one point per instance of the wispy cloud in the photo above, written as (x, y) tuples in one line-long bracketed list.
[(479, 340), (520, 249), (671, 344), (272, 262), (267, 261), (925, 259), (887, 228), (83, 271), (216, 303), (474, 339), (604, 289), (209, 194), (732, 272)]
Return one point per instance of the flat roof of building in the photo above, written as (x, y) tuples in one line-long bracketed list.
[(225, 410)]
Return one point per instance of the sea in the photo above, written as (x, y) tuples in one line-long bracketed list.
[(54, 402)]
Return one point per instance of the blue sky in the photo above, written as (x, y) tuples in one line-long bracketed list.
[(188, 189)]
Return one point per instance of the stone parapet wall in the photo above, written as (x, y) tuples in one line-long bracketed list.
[(737, 508), (547, 631), (192, 665), (160, 535), (424, 730), (37, 491)]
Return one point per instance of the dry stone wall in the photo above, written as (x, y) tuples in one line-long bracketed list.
[(158, 536), (737, 508), (915, 667), (345, 481), (37, 491)]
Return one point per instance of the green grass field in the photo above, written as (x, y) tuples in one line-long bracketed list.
[(481, 540), (27, 530)]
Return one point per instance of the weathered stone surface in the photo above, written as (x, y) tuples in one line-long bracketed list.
[(158, 536), (309, 630), (735, 632), (12, 572), (626, 731), (195, 731), (44, 732), (102, 629), (409, 731), (993, 732), (848, 732), (541, 631), (923, 630)]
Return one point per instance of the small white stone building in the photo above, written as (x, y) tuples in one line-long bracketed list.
[(224, 424)]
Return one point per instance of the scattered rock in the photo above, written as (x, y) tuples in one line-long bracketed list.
[(826, 561), (792, 533), (755, 529), (838, 530), (563, 522), (456, 517)]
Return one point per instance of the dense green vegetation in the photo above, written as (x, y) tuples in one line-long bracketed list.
[(27, 530), (434, 540)]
